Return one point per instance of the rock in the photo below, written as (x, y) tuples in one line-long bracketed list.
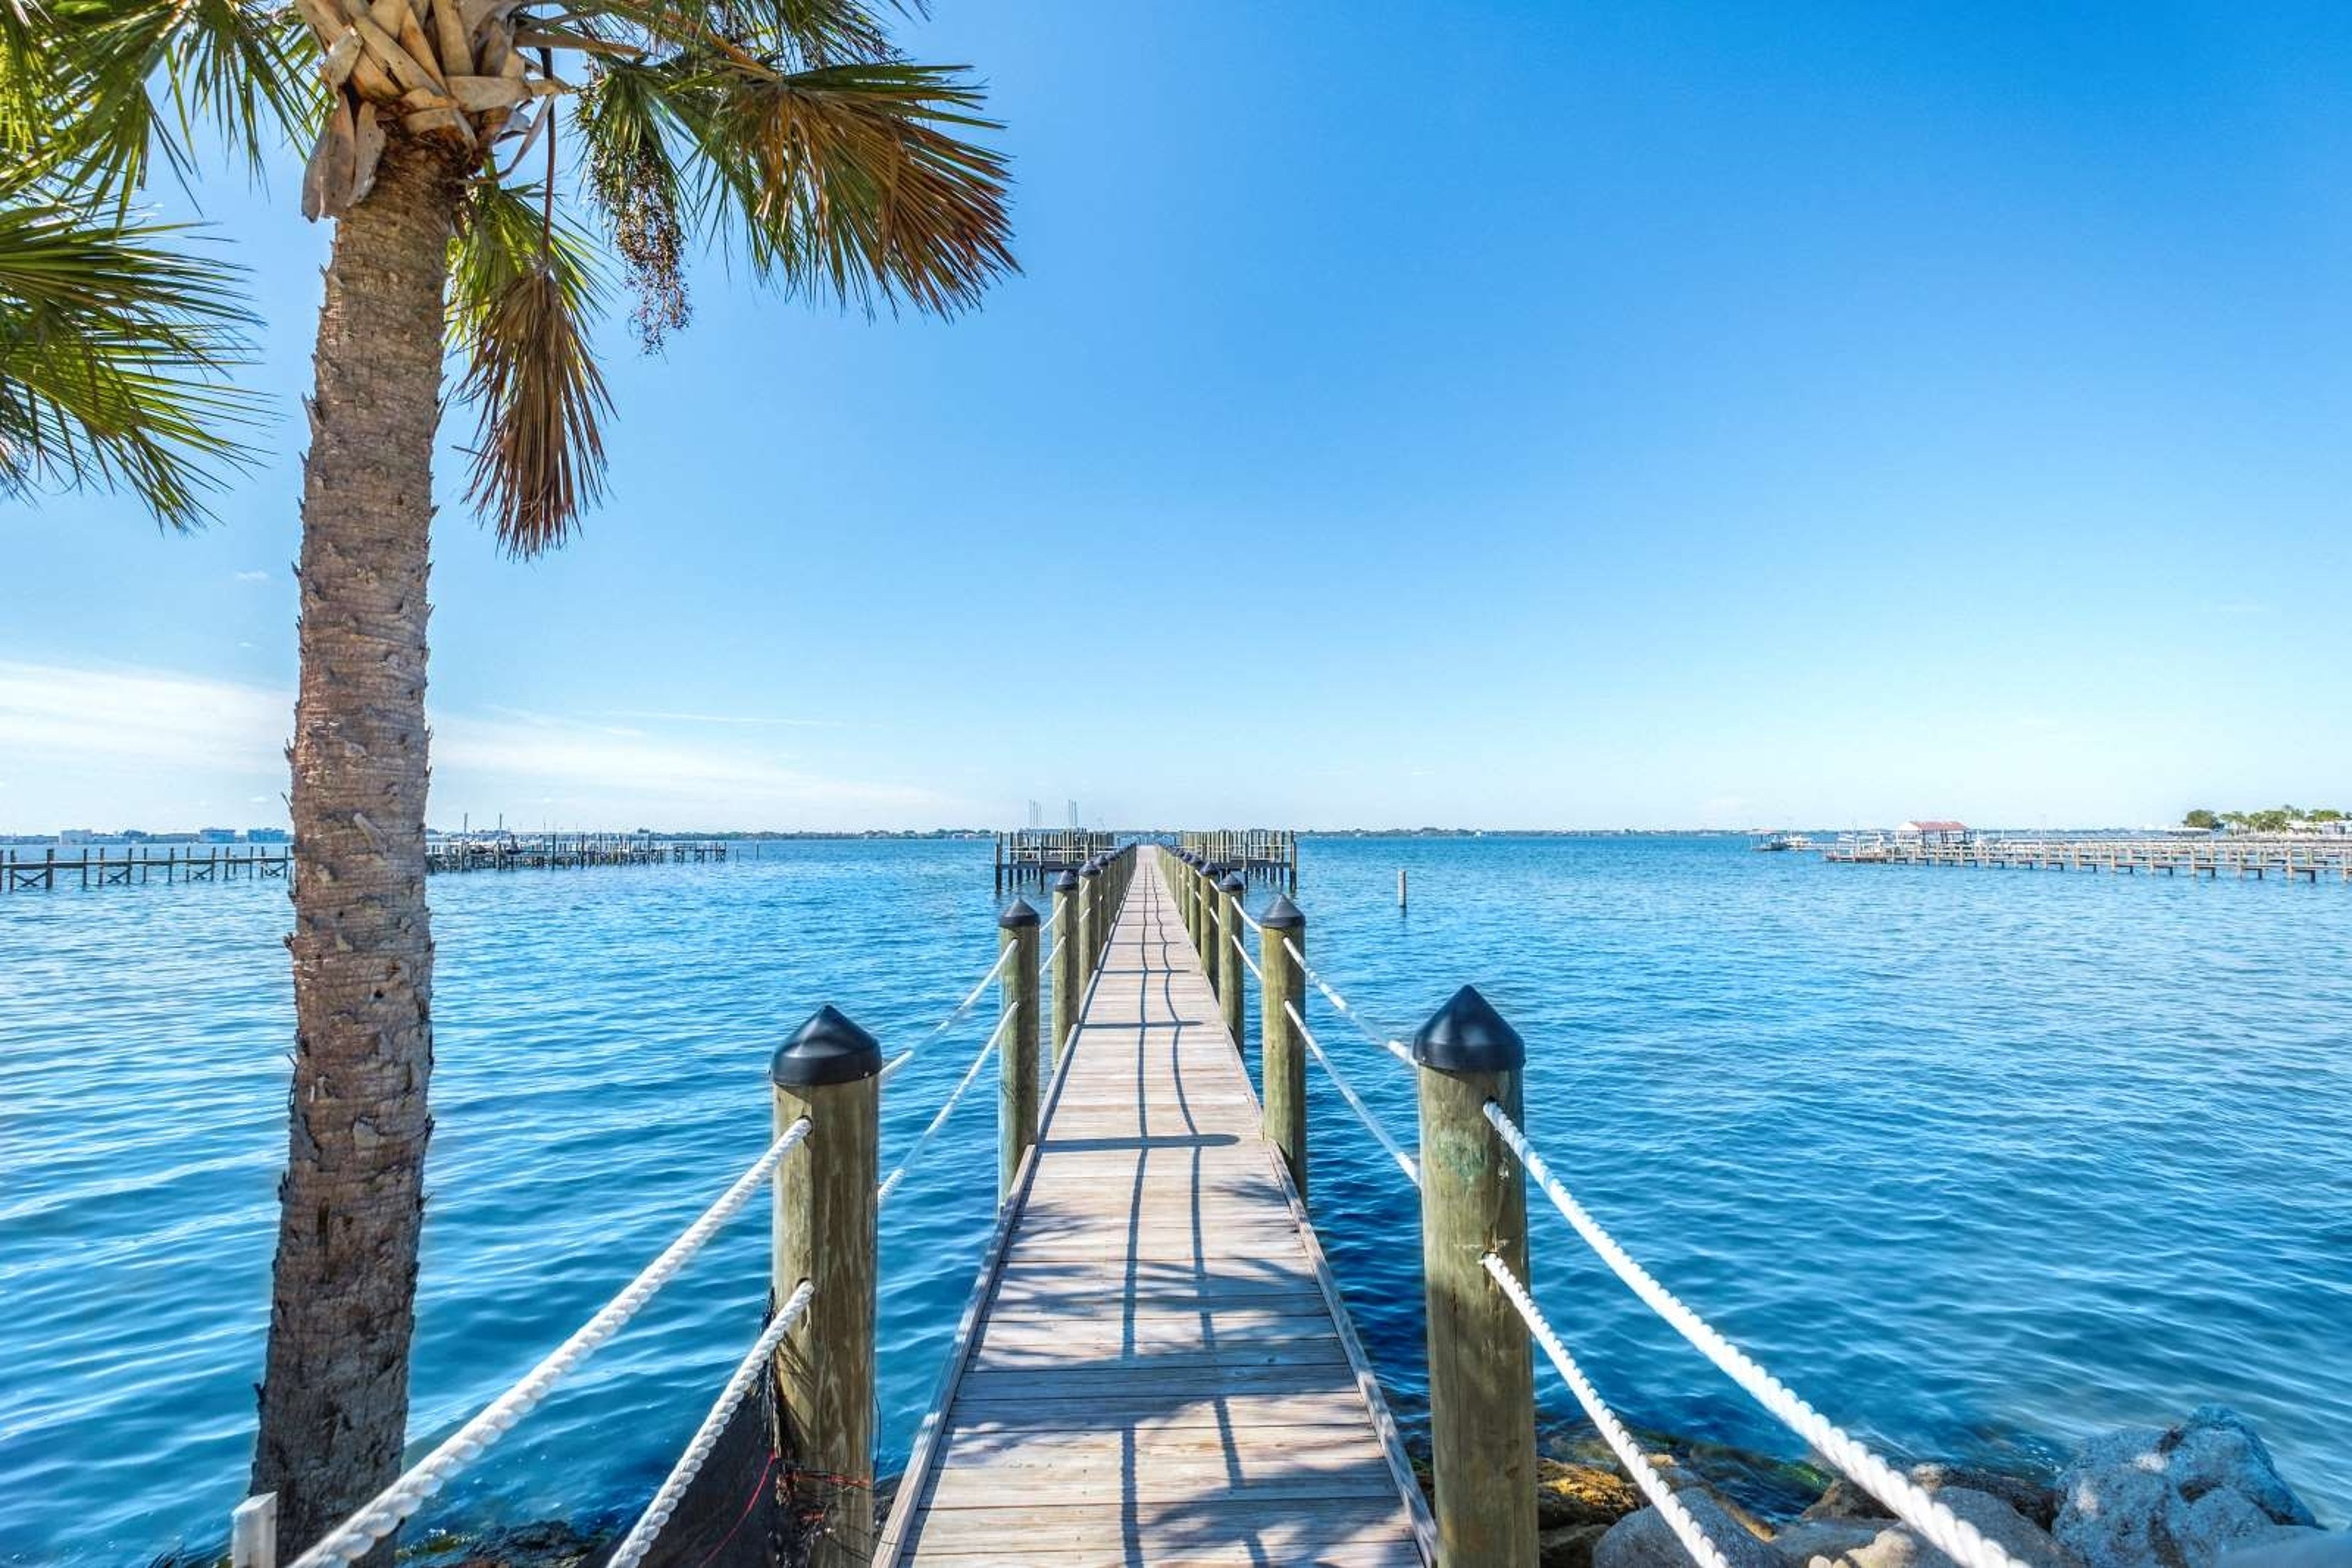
[(1644, 1539), (1882, 1543), (1828, 1540), (2034, 1499), (1845, 1500), (1569, 1494), (2179, 1498), (1568, 1546)]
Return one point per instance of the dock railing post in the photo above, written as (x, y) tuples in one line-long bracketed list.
[(1210, 876), (1282, 1058), (1187, 896), (824, 1234), (1068, 961), (1474, 1201), (1091, 916), (1016, 1055), (1230, 893)]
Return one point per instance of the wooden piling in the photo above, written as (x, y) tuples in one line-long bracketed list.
[(1090, 917), (1282, 1055), (1016, 1052), (1481, 1371), (1068, 961), (1211, 874), (824, 1233), (1230, 893)]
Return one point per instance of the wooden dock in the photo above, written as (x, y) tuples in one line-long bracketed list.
[(1155, 1365), (2310, 858), (1038, 855), (129, 865), (1258, 853)]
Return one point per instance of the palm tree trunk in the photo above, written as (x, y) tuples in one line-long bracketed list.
[(334, 1395)]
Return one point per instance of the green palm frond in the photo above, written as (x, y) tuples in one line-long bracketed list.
[(522, 290), (854, 182), (127, 81), (114, 350)]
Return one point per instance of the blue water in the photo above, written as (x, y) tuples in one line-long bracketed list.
[(1978, 1160)]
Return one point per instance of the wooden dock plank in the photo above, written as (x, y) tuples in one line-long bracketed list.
[(1159, 1371)]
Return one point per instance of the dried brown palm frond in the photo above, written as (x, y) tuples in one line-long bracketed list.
[(522, 292)]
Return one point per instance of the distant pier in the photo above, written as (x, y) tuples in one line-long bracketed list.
[(1036, 856), (44, 869), (2260, 856)]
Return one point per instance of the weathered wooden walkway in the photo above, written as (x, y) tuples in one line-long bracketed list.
[(1155, 1366)]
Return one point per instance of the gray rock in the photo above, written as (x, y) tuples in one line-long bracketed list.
[(2177, 1497), (1846, 1500), (1827, 1539), (1644, 1539), (2036, 1501), (1872, 1543)]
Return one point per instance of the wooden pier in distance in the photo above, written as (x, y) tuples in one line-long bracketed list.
[(2311, 858), (1156, 1365), (123, 865), (1257, 854), (1036, 856)]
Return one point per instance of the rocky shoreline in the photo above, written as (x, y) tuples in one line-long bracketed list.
[(2202, 1494)]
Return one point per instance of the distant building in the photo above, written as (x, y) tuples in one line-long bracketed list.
[(77, 836), (1934, 833), (216, 835)]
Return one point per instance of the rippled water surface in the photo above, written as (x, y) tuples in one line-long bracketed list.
[(1978, 1160)]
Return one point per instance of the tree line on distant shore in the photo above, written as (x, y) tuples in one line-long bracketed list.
[(2276, 819)]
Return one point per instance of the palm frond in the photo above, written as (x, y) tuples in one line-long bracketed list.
[(130, 81), (114, 351), (522, 289), (851, 182)]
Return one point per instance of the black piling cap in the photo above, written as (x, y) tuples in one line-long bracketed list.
[(1283, 915), (1017, 914), (828, 1048), (1466, 1034), (1065, 882), (1232, 884), (1091, 869)]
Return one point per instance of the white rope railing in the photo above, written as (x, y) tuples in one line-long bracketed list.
[(1942, 1529), (642, 1534), (1662, 1497), (383, 1514), (1405, 1162), (1244, 915), (1342, 1005), (969, 999), (946, 1107), (1243, 952)]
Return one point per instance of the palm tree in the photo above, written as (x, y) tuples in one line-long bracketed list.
[(114, 356), (791, 131)]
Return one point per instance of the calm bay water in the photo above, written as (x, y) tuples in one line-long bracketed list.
[(1978, 1162)]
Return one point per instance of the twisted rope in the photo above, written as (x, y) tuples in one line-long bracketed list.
[(383, 1514), (1243, 953), (1646, 1476), (953, 1019), (1955, 1537), (642, 1534), (946, 1107), (1342, 1005), (1364, 1112)]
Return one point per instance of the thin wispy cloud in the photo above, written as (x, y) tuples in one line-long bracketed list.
[(746, 721), (103, 742), (252, 576)]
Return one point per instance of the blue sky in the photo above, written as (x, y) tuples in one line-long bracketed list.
[(1505, 414)]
